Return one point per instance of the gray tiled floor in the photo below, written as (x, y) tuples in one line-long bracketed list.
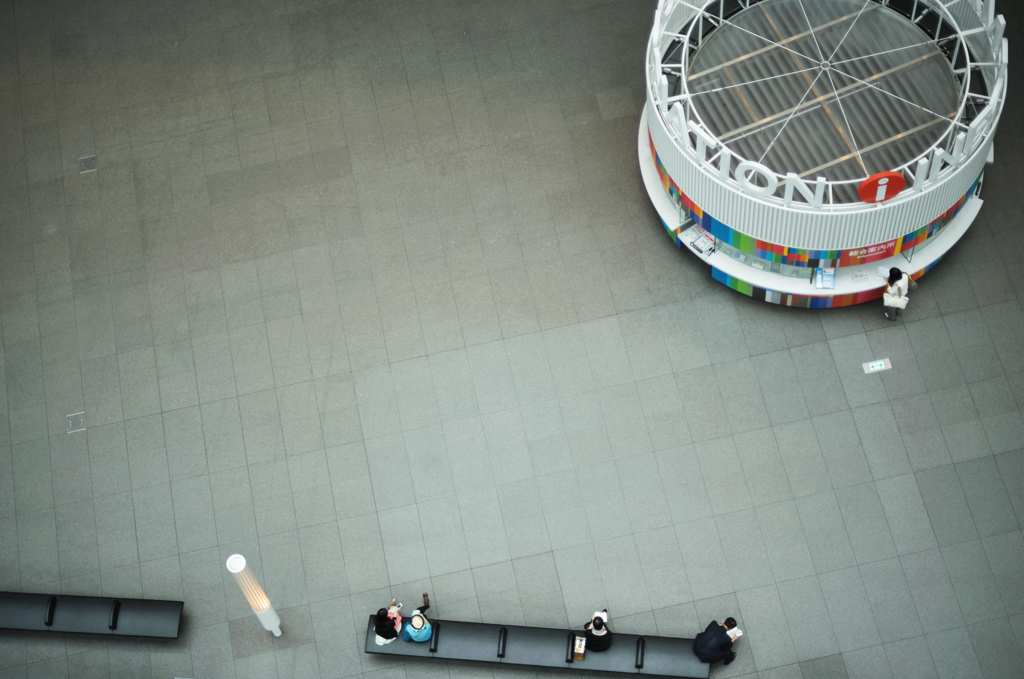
[(371, 293)]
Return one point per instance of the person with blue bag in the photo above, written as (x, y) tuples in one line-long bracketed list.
[(417, 627)]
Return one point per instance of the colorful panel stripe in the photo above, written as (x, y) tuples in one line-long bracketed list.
[(796, 256), (802, 301)]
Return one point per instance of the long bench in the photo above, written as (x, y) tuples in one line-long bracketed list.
[(90, 615), (641, 655)]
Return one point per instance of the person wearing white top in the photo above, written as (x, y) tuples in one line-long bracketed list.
[(895, 296)]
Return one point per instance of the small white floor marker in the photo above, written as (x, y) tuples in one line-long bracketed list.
[(76, 422), (877, 366)]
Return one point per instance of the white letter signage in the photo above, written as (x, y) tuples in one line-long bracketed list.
[(743, 177)]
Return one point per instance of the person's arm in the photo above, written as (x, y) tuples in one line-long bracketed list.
[(722, 639)]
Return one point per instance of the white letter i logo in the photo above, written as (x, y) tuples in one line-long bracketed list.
[(880, 193)]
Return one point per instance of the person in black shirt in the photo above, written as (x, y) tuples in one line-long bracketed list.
[(715, 643), (599, 637), (387, 623)]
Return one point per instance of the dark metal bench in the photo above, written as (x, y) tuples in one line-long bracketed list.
[(642, 655), (90, 615)]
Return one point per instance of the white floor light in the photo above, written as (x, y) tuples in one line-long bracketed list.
[(254, 594)]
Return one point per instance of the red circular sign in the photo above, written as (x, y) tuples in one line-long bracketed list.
[(881, 187)]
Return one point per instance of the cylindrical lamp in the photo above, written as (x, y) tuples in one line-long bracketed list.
[(254, 594)]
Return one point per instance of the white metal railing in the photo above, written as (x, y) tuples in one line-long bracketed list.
[(975, 26)]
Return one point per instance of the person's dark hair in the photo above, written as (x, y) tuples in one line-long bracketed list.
[(381, 619), (730, 623), (598, 623), (894, 276)]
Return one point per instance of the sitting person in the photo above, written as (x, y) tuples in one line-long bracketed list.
[(715, 642), (599, 637), (417, 627), (387, 623)]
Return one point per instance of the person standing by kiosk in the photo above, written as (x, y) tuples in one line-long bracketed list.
[(895, 299)]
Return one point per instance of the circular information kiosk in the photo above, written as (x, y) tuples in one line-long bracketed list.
[(802, 147)]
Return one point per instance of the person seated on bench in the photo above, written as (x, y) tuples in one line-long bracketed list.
[(599, 637), (715, 642), (417, 627), (387, 623)]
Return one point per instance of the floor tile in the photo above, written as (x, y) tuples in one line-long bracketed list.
[(933, 593), (808, 618), (850, 609)]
